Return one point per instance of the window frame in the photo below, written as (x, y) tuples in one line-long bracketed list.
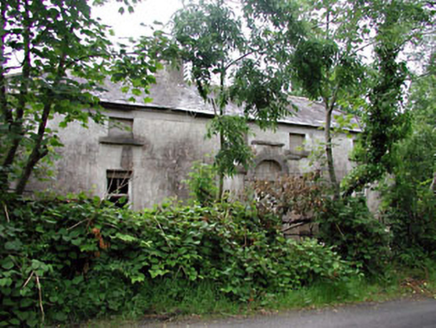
[(292, 149), (120, 127), (117, 175)]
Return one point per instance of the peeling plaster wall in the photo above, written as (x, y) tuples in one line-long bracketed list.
[(166, 144), (170, 144), (314, 139)]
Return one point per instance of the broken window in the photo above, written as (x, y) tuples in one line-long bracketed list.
[(118, 187), (296, 142), (120, 127)]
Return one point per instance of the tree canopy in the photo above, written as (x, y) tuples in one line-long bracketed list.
[(54, 55), (239, 58)]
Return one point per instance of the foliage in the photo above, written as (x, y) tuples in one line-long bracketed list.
[(356, 235), (202, 183), (78, 258), (327, 65), (63, 55), (234, 150), (230, 64), (411, 215), (396, 282), (385, 120), (409, 204), (313, 60), (303, 196)]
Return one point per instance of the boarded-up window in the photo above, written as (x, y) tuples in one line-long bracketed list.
[(120, 127), (268, 170), (118, 186), (296, 142)]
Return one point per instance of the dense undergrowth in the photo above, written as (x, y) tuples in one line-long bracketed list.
[(69, 260), (72, 259)]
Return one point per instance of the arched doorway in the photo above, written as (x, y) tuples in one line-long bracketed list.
[(268, 170)]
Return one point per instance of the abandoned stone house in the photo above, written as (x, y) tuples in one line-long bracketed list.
[(144, 151)]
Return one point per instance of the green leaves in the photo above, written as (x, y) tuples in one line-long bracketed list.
[(225, 244), (208, 34), (385, 120), (238, 57), (66, 56), (361, 239), (14, 245), (408, 201), (202, 183), (234, 150), (312, 62), (260, 90)]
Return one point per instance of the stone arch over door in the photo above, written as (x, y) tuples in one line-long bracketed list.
[(267, 170), (268, 167)]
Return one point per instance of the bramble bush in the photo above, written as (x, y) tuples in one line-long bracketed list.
[(68, 260), (355, 234)]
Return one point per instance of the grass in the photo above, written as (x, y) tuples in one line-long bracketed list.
[(325, 294), (171, 300)]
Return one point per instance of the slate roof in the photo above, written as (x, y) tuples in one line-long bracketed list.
[(171, 92)]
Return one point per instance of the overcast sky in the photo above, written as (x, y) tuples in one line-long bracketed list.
[(148, 11)]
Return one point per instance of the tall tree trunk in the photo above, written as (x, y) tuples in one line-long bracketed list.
[(221, 113), (329, 106), (16, 124), (329, 151), (221, 174), (38, 150), (6, 112)]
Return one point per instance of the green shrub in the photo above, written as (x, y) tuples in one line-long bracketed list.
[(82, 258), (356, 235), (411, 214), (202, 183), (409, 204)]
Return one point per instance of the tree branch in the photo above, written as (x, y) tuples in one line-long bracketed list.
[(38, 153), (237, 59), (298, 223), (3, 101), (16, 124), (75, 61)]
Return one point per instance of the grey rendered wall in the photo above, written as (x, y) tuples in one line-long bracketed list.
[(314, 140), (169, 142)]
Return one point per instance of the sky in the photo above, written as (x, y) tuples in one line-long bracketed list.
[(129, 25)]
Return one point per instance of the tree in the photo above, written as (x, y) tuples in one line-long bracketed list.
[(327, 64), (63, 56), (240, 59), (410, 203), (398, 23)]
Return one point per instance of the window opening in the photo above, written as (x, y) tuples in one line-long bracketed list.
[(120, 127), (118, 187), (296, 142)]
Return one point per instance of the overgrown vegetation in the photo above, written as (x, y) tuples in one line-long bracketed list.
[(70, 259), (63, 56), (73, 259), (233, 59), (409, 198), (356, 234)]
